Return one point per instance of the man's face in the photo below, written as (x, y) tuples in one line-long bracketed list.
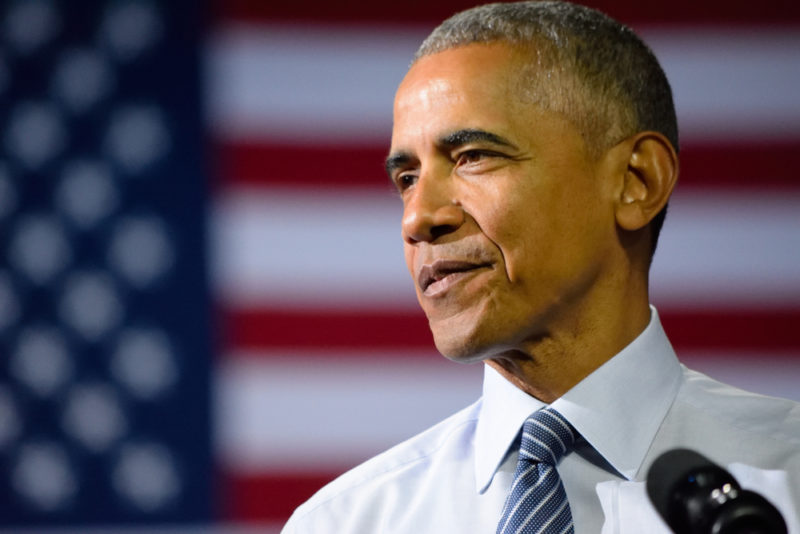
[(507, 227)]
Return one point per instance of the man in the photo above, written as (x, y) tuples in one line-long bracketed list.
[(535, 150)]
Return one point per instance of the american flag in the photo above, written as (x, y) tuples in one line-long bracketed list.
[(204, 309), (105, 324)]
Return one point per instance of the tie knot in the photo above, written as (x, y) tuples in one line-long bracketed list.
[(546, 436)]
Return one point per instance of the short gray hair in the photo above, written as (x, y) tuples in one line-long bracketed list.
[(585, 65)]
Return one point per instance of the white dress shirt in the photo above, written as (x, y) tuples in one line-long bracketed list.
[(454, 477)]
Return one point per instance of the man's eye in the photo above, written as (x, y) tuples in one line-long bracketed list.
[(404, 181), (473, 156)]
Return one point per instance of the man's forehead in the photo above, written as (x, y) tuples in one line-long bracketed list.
[(496, 75), (422, 92), (435, 103), (475, 60), (443, 82)]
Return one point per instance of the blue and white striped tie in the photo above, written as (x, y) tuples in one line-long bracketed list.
[(537, 502)]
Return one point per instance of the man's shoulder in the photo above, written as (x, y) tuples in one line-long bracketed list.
[(397, 461), (399, 468), (743, 412), (755, 436)]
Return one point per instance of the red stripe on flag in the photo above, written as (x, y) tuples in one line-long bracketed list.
[(743, 165), (335, 329), (423, 11), (768, 329), (269, 496), (302, 166), (752, 165)]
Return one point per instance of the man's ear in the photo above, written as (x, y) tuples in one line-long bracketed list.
[(650, 177)]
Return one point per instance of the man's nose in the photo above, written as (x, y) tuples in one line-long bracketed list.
[(432, 209)]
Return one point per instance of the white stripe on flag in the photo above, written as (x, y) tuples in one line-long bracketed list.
[(732, 83), (298, 248), (729, 248), (306, 84), (298, 84), (306, 411)]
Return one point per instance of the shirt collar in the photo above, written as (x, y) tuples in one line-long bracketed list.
[(617, 409)]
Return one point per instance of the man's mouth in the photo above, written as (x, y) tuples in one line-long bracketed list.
[(444, 270)]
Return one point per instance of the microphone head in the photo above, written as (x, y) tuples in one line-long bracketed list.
[(695, 496)]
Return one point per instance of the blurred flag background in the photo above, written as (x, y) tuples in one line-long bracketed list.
[(204, 310)]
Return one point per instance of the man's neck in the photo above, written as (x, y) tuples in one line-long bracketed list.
[(552, 365)]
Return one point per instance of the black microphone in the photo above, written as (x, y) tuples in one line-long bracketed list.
[(696, 496)]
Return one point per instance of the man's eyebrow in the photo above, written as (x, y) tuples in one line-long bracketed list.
[(450, 141), (397, 160), (471, 135)]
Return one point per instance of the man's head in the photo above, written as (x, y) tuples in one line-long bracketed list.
[(528, 186), (583, 64)]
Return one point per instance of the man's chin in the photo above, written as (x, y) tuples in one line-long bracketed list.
[(469, 335), (459, 348)]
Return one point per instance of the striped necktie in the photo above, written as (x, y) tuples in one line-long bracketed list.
[(537, 502)]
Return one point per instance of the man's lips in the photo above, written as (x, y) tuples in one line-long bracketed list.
[(441, 269)]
